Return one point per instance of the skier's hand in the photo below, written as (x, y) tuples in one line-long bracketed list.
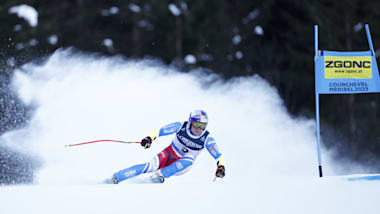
[(220, 171), (146, 142)]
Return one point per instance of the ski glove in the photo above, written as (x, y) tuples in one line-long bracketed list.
[(146, 142), (220, 171)]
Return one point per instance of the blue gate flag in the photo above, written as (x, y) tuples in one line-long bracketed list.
[(346, 72), (343, 73)]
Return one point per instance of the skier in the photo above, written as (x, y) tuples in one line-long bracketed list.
[(191, 137)]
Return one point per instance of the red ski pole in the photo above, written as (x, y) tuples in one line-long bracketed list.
[(95, 141)]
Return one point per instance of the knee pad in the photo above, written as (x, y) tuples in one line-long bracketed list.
[(152, 165)]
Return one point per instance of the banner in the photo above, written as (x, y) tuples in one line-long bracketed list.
[(346, 73)]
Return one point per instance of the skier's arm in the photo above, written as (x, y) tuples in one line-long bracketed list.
[(166, 130), (214, 151)]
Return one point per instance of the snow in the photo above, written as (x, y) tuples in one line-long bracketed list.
[(251, 16), (184, 6), (17, 27), (174, 9), (259, 30), (236, 39), (114, 10), (27, 12), (33, 42), (253, 195), (239, 55), (271, 159), (190, 59), (108, 42), (53, 39), (358, 27), (134, 7), (20, 46)]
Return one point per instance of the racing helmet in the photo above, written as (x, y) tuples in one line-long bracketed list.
[(199, 117)]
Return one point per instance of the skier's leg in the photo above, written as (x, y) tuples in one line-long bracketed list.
[(178, 167), (135, 170), (164, 158)]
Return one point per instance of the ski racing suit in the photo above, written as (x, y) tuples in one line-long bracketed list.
[(179, 156)]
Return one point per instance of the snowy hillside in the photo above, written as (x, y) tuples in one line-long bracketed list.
[(271, 160)]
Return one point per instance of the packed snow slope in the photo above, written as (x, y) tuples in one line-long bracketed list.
[(271, 159)]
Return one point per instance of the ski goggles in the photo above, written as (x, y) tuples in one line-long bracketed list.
[(199, 125)]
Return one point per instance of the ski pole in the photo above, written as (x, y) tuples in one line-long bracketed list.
[(95, 141)]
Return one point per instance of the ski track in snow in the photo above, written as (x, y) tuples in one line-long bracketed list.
[(253, 195), (271, 160)]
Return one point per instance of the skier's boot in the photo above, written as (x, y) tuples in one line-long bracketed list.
[(157, 177), (111, 181)]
